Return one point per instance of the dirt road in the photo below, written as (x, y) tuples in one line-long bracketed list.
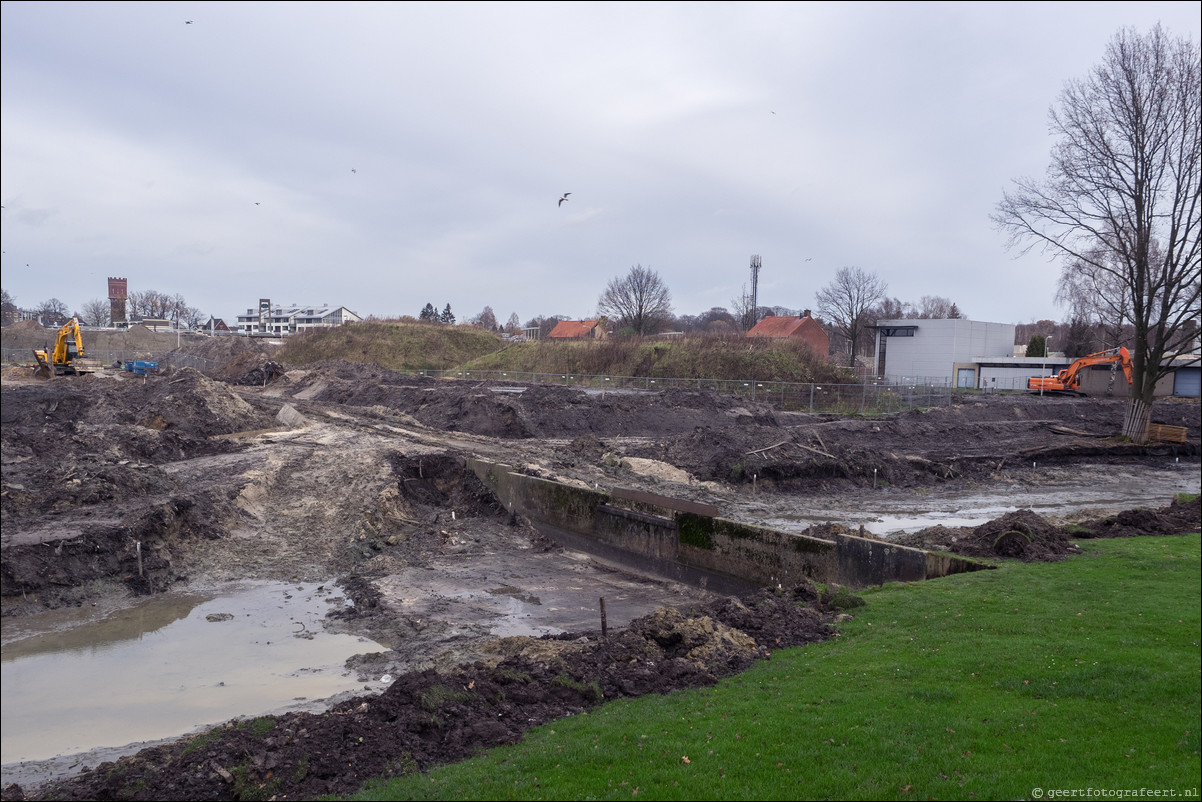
[(358, 473)]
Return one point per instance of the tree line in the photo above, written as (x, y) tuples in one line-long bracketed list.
[(98, 312)]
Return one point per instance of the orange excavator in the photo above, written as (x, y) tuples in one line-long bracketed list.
[(1068, 381)]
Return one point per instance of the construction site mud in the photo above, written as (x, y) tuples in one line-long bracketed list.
[(118, 486)]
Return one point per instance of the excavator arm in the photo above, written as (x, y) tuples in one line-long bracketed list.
[(69, 335), (1069, 379)]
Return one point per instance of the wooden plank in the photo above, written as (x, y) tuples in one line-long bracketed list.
[(668, 503)]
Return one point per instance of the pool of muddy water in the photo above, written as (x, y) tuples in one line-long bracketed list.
[(1091, 492), (169, 665)]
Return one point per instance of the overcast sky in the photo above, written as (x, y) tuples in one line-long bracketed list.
[(380, 156)]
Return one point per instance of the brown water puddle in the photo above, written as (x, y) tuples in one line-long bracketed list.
[(169, 665)]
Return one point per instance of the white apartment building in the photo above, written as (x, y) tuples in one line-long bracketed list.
[(282, 321)]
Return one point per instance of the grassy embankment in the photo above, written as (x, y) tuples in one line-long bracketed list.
[(1079, 674), (392, 345), (420, 346)]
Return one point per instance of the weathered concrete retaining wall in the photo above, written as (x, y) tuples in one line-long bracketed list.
[(706, 549)]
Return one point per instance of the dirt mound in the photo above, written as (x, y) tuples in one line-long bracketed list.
[(1021, 535), (230, 356), (428, 718), (26, 326), (84, 472), (1178, 518)]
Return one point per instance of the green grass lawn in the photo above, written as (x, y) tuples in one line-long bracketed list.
[(1083, 674)]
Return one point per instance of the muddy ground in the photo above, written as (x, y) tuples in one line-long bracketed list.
[(355, 472)]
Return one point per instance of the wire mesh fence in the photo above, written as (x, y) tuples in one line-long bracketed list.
[(870, 397), (865, 398), (174, 359)]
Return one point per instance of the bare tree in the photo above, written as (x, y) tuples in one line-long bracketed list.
[(514, 326), (150, 304), (95, 312), (486, 320), (545, 324), (640, 301), (189, 317), (1123, 194), (892, 309), (742, 311), (8, 308), (848, 301), (52, 312), (936, 307), (717, 320)]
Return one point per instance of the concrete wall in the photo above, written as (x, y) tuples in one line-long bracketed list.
[(701, 549), (937, 345)]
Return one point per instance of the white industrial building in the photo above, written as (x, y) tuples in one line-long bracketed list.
[(954, 353), (972, 354)]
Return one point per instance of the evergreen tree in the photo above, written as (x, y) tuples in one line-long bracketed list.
[(447, 316), (428, 312), (1038, 346)]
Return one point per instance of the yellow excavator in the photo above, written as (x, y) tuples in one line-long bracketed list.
[(67, 357)]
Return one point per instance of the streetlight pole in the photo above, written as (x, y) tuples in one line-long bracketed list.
[(1046, 341)]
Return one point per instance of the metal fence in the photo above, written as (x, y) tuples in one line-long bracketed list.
[(865, 398), (173, 359)]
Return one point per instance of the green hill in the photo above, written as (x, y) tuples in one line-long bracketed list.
[(401, 345), (391, 344), (706, 357)]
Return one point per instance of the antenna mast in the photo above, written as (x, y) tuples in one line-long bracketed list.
[(753, 311)]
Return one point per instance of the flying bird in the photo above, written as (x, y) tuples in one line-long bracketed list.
[(187, 22), (564, 198), (256, 203), (353, 170)]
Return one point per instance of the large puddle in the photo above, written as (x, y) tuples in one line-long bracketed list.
[(168, 666)]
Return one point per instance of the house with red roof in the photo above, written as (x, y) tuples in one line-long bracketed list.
[(801, 327), (580, 329)]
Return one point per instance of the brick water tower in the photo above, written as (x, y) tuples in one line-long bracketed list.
[(118, 290)]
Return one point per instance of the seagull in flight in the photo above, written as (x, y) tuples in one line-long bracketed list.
[(564, 198)]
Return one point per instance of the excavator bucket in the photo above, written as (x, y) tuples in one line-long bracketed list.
[(42, 369)]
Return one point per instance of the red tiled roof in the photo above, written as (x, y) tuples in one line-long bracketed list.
[(570, 329), (777, 326)]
